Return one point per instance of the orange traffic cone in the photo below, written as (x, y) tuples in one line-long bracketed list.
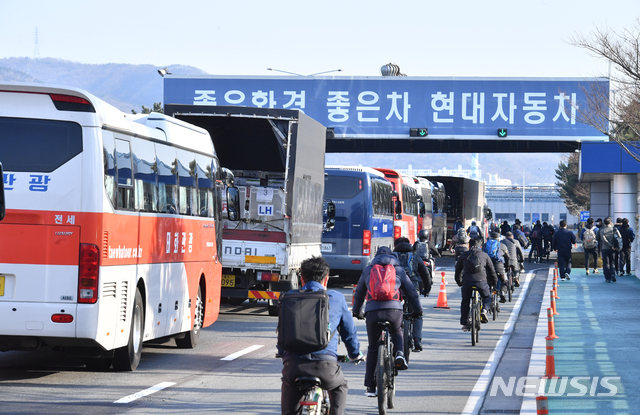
[(442, 296), (550, 370), (551, 325)]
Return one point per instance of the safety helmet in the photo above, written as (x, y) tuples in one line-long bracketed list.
[(423, 235), (473, 222)]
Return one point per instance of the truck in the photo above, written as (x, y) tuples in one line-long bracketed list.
[(276, 221), (465, 199)]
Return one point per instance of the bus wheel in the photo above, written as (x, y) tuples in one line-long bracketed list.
[(272, 307), (190, 339), (127, 358)]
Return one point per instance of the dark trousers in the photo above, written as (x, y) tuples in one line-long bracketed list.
[(616, 260), (329, 373), (535, 243), (588, 253), (607, 264), (625, 259), (564, 263), (465, 305), (374, 335)]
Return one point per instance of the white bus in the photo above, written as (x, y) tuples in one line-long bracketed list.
[(112, 227)]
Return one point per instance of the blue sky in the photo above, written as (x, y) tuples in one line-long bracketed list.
[(244, 37), (463, 38)]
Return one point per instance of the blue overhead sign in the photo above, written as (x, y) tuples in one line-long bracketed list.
[(389, 107), (584, 215)]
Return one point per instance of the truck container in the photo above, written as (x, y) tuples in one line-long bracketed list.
[(277, 157)]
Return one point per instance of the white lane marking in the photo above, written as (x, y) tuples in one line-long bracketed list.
[(474, 403), (145, 392), (236, 355)]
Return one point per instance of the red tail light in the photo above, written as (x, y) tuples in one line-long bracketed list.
[(88, 274), (397, 232), (62, 318), (366, 243)]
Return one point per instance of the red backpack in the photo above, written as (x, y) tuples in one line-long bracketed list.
[(383, 284)]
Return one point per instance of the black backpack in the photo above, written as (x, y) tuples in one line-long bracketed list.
[(303, 321), (473, 263)]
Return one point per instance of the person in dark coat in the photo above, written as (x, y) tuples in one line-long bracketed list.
[(516, 256), (605, 239), (467, 277), (389, 310), (628, 237), (562, 242)]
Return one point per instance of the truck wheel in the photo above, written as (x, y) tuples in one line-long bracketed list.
[(190, 339), (272, 308), (127, 358)]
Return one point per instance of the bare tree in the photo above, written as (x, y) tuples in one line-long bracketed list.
[(616, 113)]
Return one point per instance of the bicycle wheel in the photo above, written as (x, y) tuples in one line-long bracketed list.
[(474, 329), (391, 381), (494, 303), (478, 322), (381, 379), (408, 339)]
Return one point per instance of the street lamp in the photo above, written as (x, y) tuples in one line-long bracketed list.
[(297, 74)]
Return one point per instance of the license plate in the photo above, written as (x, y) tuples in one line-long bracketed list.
[(228, 280), (1, 285), (326, 247)]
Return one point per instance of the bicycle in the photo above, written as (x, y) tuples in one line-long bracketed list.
[(474, 312), (510, 288), (537, 254), (495, 308), (386, 371), (407, 330), (315, 400)]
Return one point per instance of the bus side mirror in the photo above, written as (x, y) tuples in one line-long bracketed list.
[(331, 210), (2, 203), (488, 214), (398, 210), (233, 204), (227, 177), (422, 209)]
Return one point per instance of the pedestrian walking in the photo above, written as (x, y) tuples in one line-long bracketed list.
[(562, 242)]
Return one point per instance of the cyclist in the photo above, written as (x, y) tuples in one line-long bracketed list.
[(504, 228), (417, 272), (536, 239), (457, 225), (499, 258), (516, 256), (390, 310), (460, 242), (324, 363), (474, 231), (479, 273)]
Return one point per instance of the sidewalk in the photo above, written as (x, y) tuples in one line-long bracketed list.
[(597, 354)]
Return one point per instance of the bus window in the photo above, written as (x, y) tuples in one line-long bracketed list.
[(342, 187), (146, 187), (187, 180), (167, 179), (38, 146), (205, 185), (109, 162), (124, 193)]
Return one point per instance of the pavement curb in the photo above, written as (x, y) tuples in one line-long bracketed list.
[(537, 363)]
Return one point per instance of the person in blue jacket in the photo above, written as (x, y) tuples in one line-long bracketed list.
[(562, 242), (390, 310), (323, 363)]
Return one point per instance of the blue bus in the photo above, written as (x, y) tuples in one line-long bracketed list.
[(363, 221)]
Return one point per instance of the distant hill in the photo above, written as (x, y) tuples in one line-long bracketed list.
[(129, 87), (124, 86)]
